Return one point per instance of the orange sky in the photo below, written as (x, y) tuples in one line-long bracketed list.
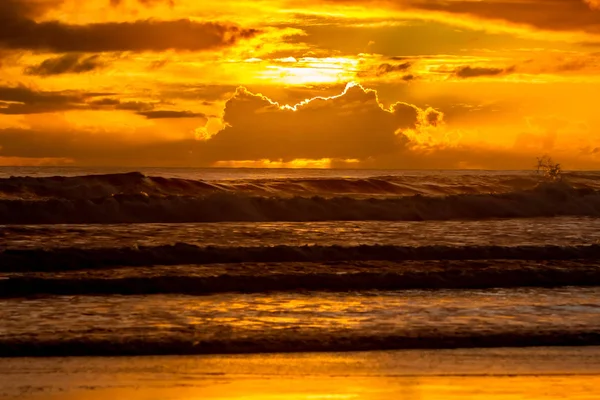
[(318, 83)]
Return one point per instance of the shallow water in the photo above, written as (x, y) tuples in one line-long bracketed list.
[(301, 321), (559, 231)]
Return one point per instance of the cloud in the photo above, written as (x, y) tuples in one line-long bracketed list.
[(66, 64), (164, 114), (557, 15), (87, 147), (37, 8), (385, 69), (20, 9), (23, 94), (110, 103), (594, 4), (474, 72), (23, 100), (352, 125), (18, 32), (148, 3), (548, 15), (20, 99)]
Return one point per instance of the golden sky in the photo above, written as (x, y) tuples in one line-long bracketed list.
[(316, 83)]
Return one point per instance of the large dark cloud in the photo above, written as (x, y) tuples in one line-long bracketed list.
[(349, 126), (71, 63), (147, 35), (19, 30), (561, 15), (555, 15), (352, 125)]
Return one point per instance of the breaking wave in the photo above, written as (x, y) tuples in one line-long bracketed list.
[(134, 198), (136, 183), (69, 259), (294, 277)]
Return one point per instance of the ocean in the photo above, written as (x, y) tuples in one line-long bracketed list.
[(120, 262)]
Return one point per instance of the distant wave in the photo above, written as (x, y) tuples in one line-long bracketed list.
[(186, 343), (77, 204), (135, 183), (335, 277)]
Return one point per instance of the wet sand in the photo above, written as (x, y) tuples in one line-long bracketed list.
[(491, 374)]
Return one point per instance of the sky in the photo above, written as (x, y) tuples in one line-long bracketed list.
[(411, 84)]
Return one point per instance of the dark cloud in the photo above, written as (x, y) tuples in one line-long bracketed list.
[(163, 114), (433, 117), (106, 148), (390, 68), (67, 64), (553, 15), (560, 15), (23, 94), (22, 9), (352, 125), (23, 100), (147, 35), (385, 69), (474, 72), (116, 3), (35, 8), (154, 65), (19, 30), (36, 108), (111, 103)]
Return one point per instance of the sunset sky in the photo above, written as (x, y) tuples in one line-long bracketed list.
[(316, 83)]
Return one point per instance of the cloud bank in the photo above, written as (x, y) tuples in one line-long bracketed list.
[(352, 125)]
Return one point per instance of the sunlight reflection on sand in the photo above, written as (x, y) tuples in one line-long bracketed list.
[(497, 374)]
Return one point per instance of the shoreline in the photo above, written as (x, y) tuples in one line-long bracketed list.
[(535, 373)]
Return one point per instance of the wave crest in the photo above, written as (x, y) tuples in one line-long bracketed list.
[(294, 277), (548, 200), (65, 259)]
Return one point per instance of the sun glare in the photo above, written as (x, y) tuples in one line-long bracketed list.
[(311, 70)]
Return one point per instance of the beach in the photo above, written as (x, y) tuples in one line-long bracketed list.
[(496, 374)]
